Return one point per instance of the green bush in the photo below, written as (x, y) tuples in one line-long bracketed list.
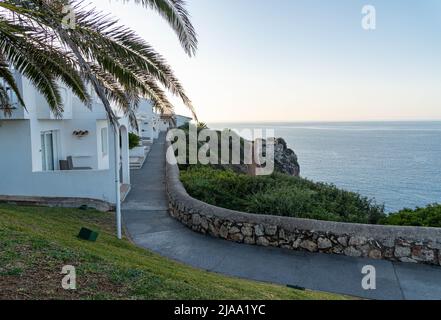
[(134, 140), (424, 217), (202, 126), (279, 194)]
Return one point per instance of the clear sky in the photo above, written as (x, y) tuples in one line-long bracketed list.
[(303, 60)]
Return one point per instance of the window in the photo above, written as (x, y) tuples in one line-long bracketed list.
[(13, 99), (104, 142)]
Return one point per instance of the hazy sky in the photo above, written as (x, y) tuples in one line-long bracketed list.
[(303, 60)]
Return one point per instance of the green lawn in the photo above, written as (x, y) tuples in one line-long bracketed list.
[(35, 243)]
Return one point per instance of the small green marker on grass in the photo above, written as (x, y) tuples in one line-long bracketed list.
[(87, 234)]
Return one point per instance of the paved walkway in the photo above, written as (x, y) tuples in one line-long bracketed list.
[(149, 225)]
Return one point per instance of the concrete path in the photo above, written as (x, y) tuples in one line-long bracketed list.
[(150, 227)]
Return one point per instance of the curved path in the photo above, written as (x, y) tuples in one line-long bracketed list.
[(149, 226)]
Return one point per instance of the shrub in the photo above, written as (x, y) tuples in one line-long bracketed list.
[(424, 217), (134, 140), (278, 194)]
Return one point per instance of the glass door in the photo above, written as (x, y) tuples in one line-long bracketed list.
[(47, 151)]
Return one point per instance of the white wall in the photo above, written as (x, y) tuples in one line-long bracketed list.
[(18, 179), (146, 128), (21, 159), (163, 125), (148, 120), (145, 119), (85, 151), (181, 120)]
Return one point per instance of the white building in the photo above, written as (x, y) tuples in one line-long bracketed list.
[(168, 121), (148, 121), (182, 120), (70, 161)]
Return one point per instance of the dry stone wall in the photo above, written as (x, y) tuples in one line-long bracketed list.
[(405, 244)]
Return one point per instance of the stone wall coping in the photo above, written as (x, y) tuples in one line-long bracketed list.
[(179, 195)]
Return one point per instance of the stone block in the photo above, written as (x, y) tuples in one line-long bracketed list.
[(247, 231), (352, 252), (196, 219), (237, 237), (401, 252), (234, 230), (343, 241), (375, 254), (324, 243), (204, 223), (223, 232), (423, 254), (259, 230), (309, 245), (271, 230), (357, 241), (262, 241)]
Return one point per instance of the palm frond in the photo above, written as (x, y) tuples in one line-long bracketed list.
[(116, 43), (120, 65), (8, 78), (30, 52), (177, 16)]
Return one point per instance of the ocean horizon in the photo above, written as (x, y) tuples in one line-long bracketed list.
[(397, 163)]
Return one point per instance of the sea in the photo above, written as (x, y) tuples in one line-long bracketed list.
[(396, 163)]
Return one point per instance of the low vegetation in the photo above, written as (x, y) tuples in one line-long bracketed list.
[(284, 195), (278, 194), (423, 217), (134, 140), (35, 243)]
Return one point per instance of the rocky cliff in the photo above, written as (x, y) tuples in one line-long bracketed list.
[(286, 160)]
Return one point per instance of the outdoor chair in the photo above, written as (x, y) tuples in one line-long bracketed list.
[(70, 165)]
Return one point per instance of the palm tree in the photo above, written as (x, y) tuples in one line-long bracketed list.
[(97, 51)]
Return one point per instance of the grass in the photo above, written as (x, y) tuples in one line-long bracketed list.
[(35, 243)]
